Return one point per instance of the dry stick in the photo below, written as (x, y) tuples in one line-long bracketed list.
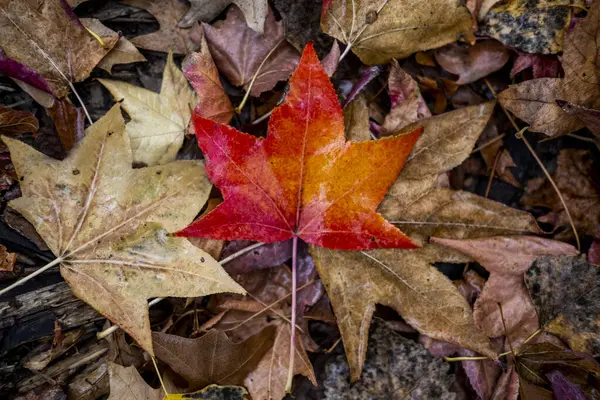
[(114, 328), (162, 384), (520, 135), (489, 185), (290, 377), (491, 142)]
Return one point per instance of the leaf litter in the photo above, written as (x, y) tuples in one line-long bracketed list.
[(368, 156)]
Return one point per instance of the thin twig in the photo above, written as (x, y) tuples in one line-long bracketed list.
[(489, 185), (491, 142), (162, 384), (290, 377)]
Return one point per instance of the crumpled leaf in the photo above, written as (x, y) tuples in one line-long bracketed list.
[(576, 178), (169, 37), (395, 368), (534, 101), (255, 12), (474, 62), (507, 258), (214, 392), (408, 105), (109, 223), (124, 52), (212, 358), (239, 52), (126, 383), (296, 181), (14, 122), (47, 37), (565, 293), (530, 26), (200, 70), (384, 29), (158, 121)]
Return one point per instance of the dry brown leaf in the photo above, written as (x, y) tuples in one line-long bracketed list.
[(380, 30), (15, 122), (46, 37), (473, 62), (109, 224), (356, 120), (126, 383), (480, 8), (239, 52), (169, 37), (7, 260), (332, 59), (212, 358), (408, 105), (68, 122), (200, 70), (255, 12), (507, 258), (124, 51), (534, 101), (579, 184)]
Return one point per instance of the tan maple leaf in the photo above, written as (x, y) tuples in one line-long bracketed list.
[(158, 121), (108, 224)]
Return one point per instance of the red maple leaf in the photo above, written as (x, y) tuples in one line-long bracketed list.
[(304, 180)]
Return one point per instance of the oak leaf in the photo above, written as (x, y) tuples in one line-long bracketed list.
[(380, 30), (296, 182), (240, 52), (47, 37), (212, 358), (406, 279), (507, 258), (169, 37), (158, 121), (108, 224), (534, 101), (255, 12)]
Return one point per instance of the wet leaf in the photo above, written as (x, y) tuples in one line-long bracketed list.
[(116, 266), (566, 296), (384, 29), (529, 26), (395, 367), (239, 52), (534, 101), (255, 12), (158, 121), (212, 358), (305, 152), (170, 37), (49, 39)]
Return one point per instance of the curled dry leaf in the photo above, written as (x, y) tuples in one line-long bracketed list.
[(255, 12), (200, 70), (7, 259), (534, 101), (507, 258), (380, 30), (474, 62), (566, 296), (158, 121), (240, 53), (48, 38), (529, 26), (395, 367), (169, 37), (108, 223), (124, 52), (212, 358)]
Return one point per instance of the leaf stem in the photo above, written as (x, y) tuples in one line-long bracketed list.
[(290, 377), (162, 384), (32, 275)]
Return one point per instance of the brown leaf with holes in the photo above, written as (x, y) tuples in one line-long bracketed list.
[(534, 101), (48, 38)]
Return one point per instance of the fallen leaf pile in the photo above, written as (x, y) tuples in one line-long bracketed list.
[(317, 199)]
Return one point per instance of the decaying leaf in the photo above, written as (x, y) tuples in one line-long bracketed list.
[(474, 62), (124, 52), (302, 21), (212, 358), (395, 368), (108, 224), (240, 52), (200, 70), (567, 298), (576, 178), (530, 26), (49, 39), (158, 121), (170, 37), (380, 30), (507, 258), (255, 12), (534, 101)]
